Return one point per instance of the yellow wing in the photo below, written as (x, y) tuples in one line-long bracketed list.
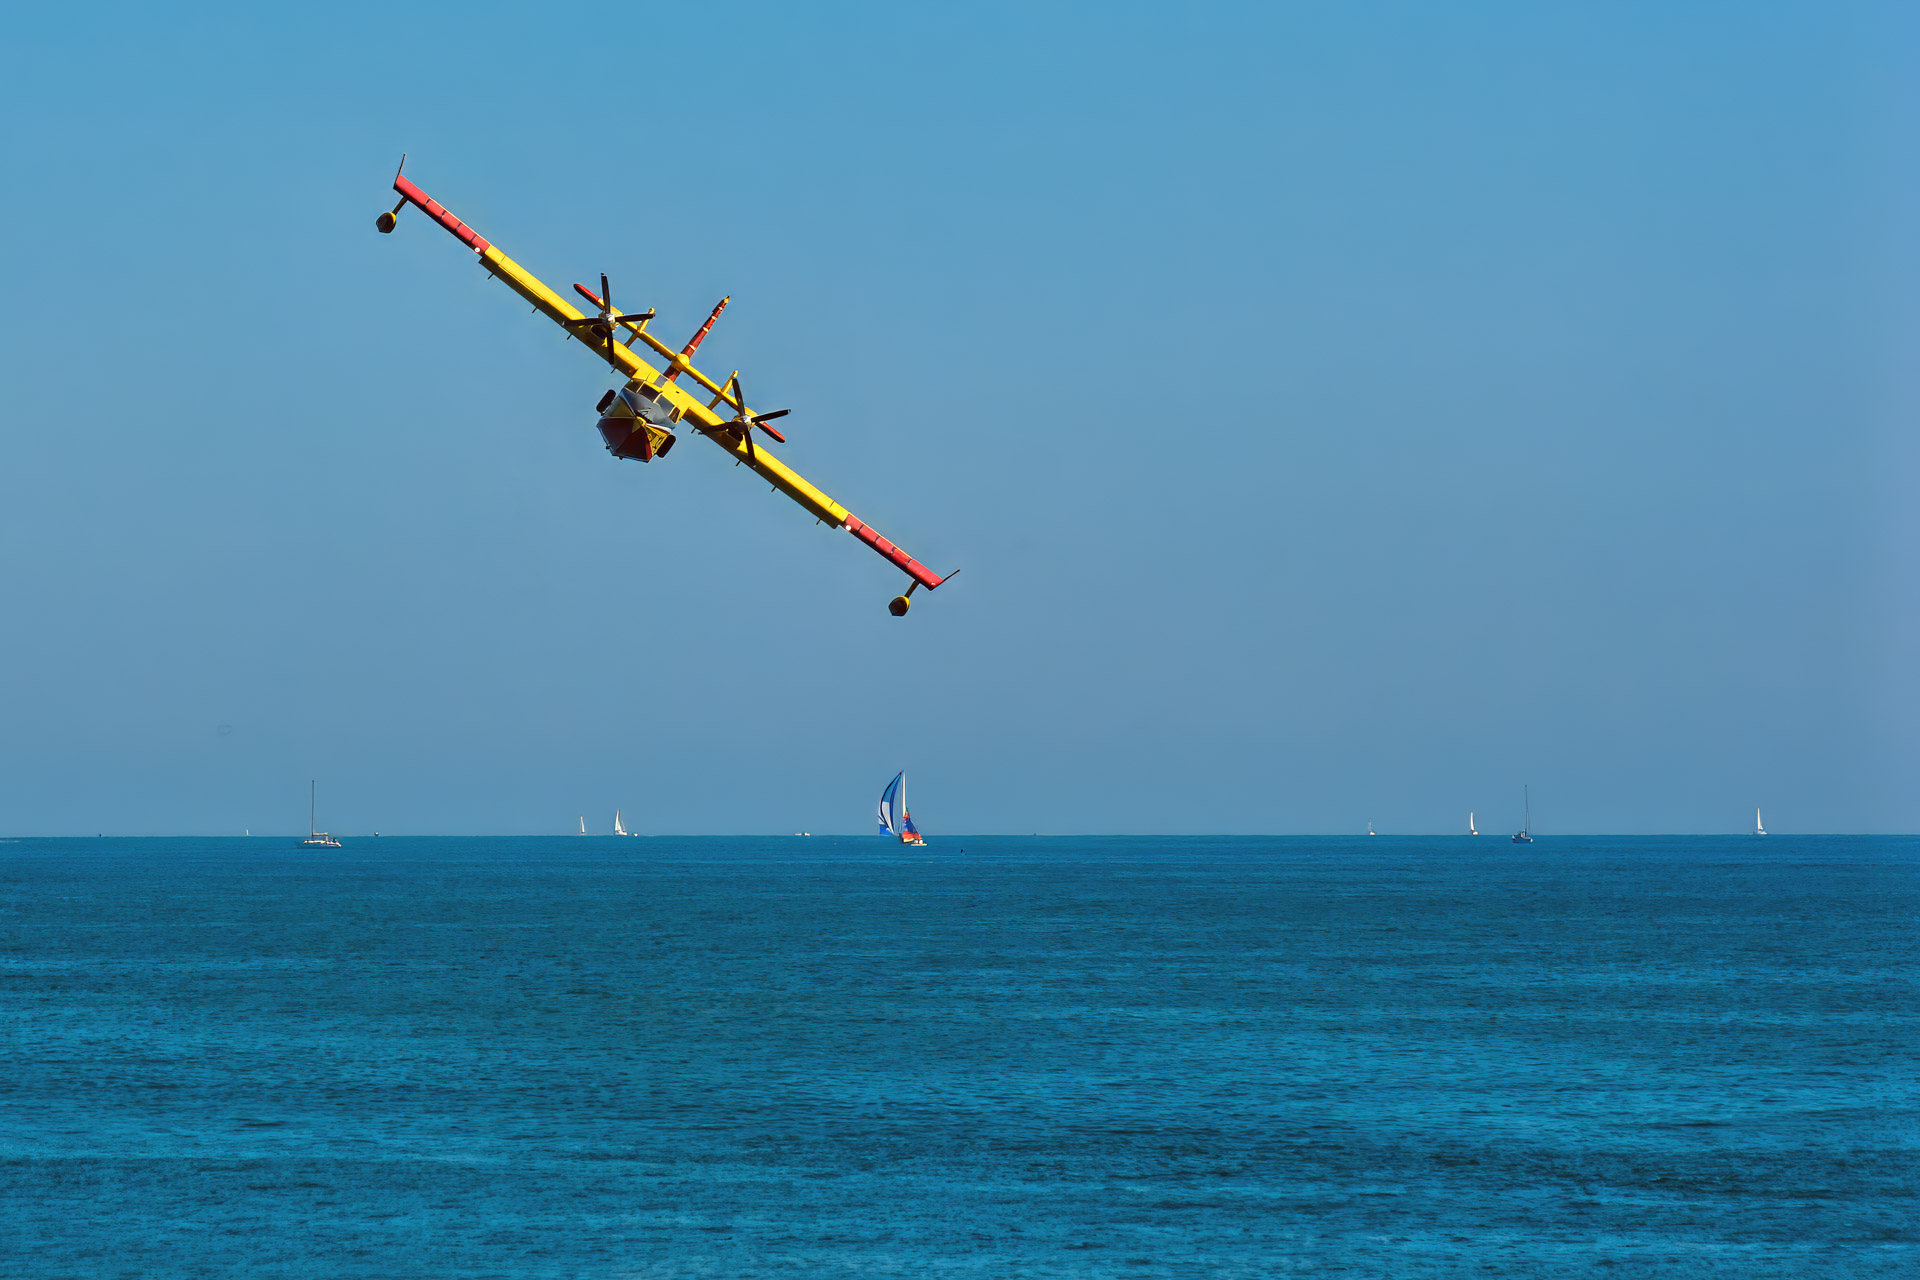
[(700, 414)]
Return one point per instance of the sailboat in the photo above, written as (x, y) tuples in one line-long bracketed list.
[(617, 828), (1470, 827), (894, 818), (583, 824), (1525, 834), (1757, 828), (1370, 830), (317, 839)]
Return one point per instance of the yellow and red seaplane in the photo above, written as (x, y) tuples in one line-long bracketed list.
[(637, 420)]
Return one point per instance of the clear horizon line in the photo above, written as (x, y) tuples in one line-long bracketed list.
[(1493, 836)]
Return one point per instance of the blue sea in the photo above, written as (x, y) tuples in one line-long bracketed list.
[(994, 1057)]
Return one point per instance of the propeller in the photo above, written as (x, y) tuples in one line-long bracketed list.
[(606, 324), (745, 423)]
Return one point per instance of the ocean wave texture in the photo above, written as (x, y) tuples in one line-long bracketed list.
[(994, 1057)]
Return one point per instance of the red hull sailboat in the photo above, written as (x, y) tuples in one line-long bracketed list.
[(894, 818)]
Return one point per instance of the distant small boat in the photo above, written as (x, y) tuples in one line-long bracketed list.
[(1470, 828), (1370, 830), (1525, 834), (316, 839), (894, 818), (583, 824), (617, 828), (1757, 828)]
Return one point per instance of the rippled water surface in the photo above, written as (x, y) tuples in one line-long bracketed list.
[(1047, 1057)]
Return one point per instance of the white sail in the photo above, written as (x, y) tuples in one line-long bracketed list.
[(583, 824), (1470, 827), (1758, 829), (617, 828)]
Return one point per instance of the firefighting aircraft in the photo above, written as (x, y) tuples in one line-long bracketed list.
[(637, 420)]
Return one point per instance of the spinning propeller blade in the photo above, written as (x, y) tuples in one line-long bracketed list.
[(606, 292), (740, 416), (760, 420), (606, 324), (744, 423)]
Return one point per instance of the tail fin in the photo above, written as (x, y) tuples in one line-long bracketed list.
[(693, 343)]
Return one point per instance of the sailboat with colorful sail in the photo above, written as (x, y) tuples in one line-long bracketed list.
[(894, 818)]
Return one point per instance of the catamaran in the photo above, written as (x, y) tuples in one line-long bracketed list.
[(1757, 828), (894, 818), (617, 828), (318, 839), (1525, 834)]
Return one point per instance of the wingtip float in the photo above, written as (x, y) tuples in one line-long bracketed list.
[(637, 420)]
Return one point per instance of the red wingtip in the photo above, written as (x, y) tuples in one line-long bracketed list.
[(914, 569), (438, 212)]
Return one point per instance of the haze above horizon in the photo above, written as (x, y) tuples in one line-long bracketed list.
[(1338, 414)]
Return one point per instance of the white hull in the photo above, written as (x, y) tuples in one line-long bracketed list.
[(315, 839)]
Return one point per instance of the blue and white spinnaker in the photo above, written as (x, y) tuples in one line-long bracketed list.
[(893, 803)]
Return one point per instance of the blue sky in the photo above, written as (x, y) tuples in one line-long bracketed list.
[(1340, 413)]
